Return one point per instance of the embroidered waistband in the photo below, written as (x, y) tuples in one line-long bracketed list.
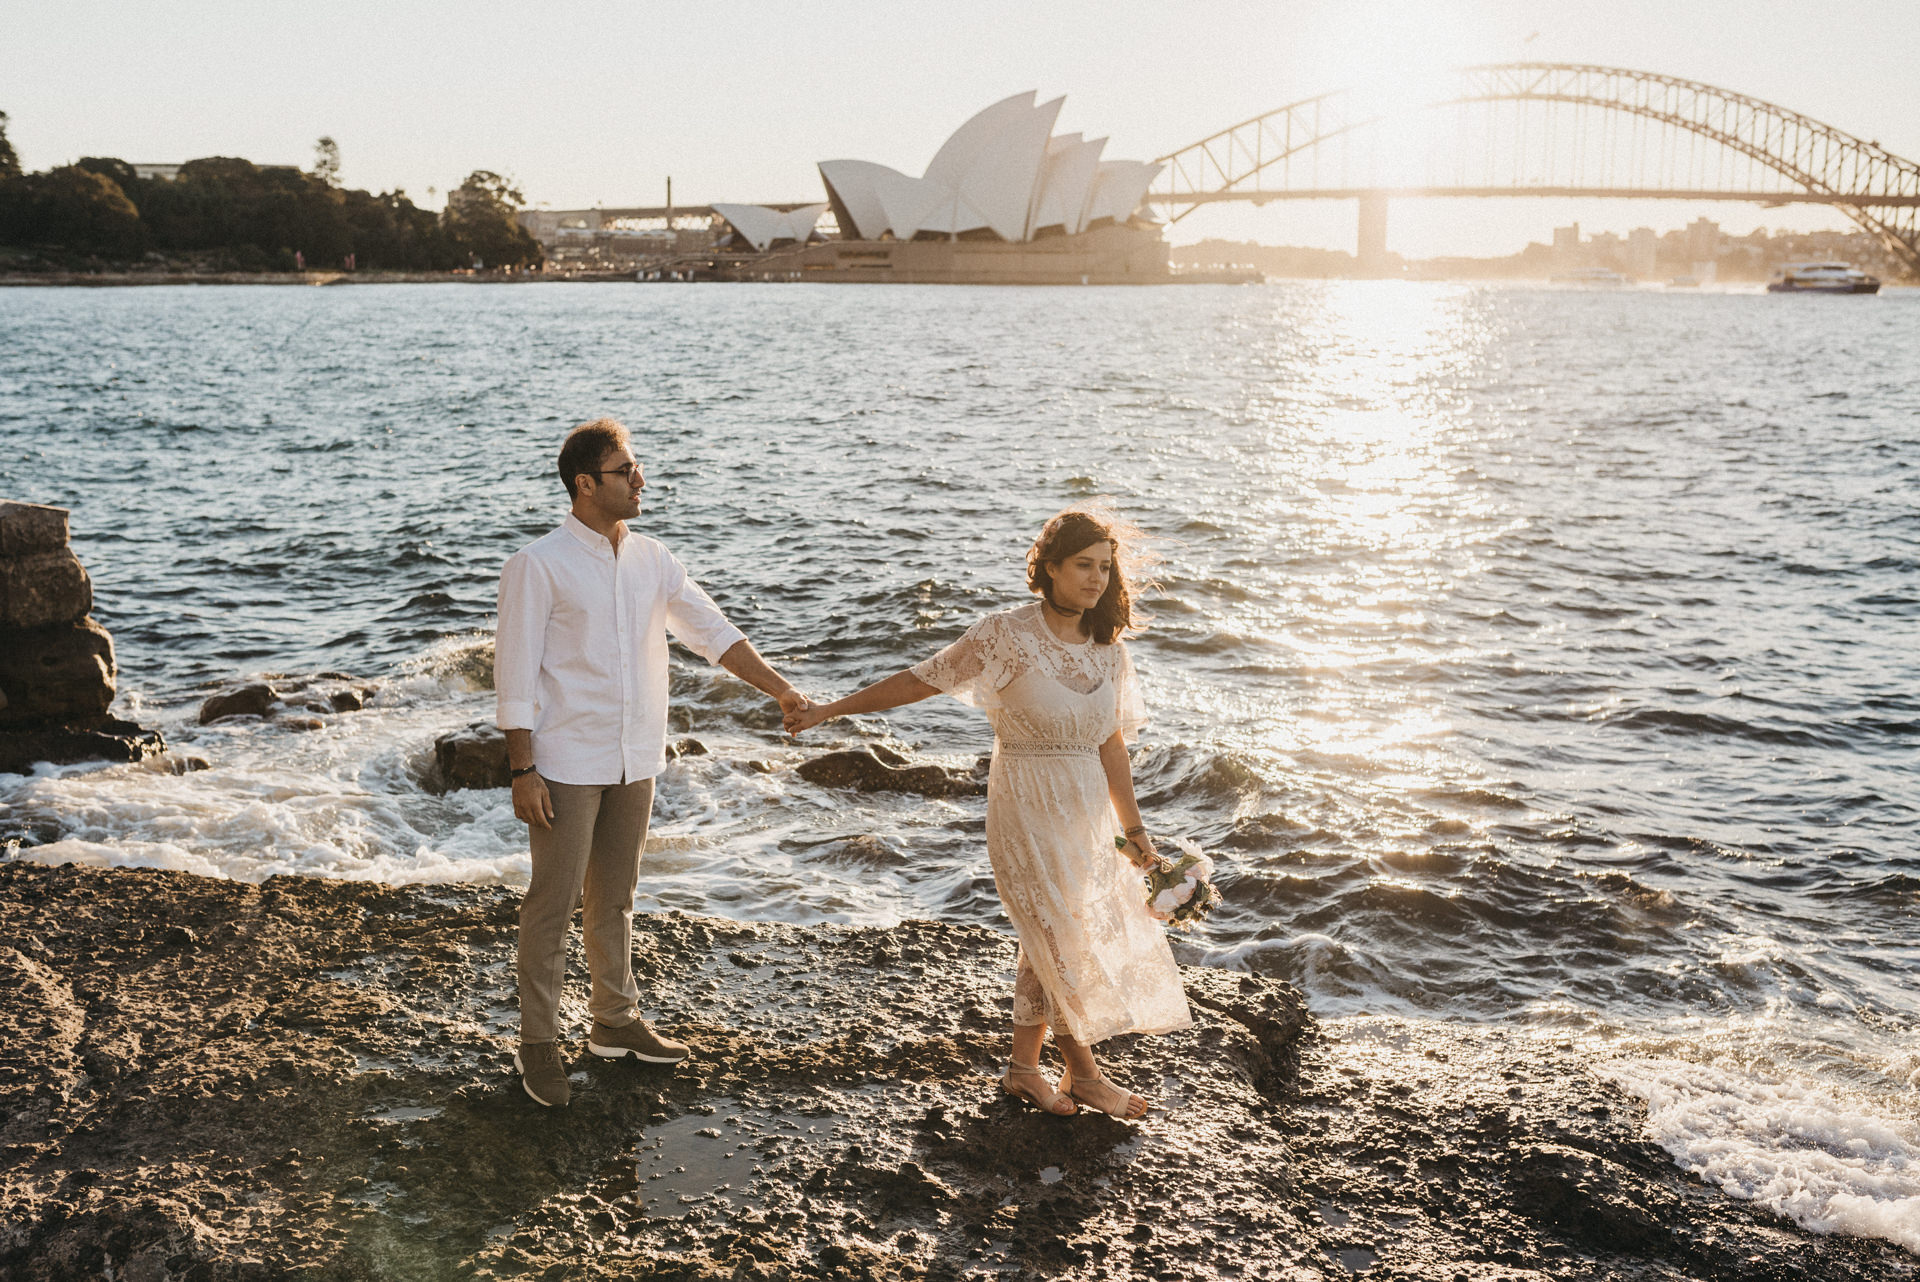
[(1044, 748)]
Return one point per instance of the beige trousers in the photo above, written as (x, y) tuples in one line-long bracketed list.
[(591, 856)]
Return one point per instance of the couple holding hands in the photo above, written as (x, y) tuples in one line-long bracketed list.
[(580, 670)]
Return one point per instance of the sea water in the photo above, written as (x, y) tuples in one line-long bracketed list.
[(1525, 657)]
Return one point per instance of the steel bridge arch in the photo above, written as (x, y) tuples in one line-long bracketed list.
[(1878, 190)]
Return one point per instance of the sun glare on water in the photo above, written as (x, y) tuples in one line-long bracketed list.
[(1360, 468)]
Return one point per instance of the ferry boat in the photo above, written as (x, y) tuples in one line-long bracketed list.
[(1822, 278)]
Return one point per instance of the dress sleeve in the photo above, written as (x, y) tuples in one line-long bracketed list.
[(1130, 710), (975, 668)]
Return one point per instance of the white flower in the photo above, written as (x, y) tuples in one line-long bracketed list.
[(1202, 869), (1181, 893), (1168, 900)]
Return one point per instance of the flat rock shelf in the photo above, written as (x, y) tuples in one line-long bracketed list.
[(304, 1078)]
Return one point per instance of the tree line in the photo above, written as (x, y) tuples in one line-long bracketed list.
[(232, 213)]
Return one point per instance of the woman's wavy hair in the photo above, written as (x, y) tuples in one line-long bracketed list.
[(1077, 529)]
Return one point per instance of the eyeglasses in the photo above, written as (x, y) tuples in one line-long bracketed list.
[(628, 471)]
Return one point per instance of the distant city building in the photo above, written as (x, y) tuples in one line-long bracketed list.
[(1566, 241), (1643, 251), (1703, 240), (620, 239), (167, 171), (1001, 176)]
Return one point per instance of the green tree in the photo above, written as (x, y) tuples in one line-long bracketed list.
[(482, 217), (74, 208), (228, 204), (9, 162), (118, 170), (326, 161)]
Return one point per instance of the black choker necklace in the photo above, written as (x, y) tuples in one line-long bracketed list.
[(1049, 604)]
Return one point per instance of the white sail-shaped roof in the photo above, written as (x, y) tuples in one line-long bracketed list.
[(1066, 186), (850, 184), (1000, 171), (957, 154), (1118, 188), (1003, 177), (762, 226), (909, 202)]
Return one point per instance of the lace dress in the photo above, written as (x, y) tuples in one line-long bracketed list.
[(1093, 962)]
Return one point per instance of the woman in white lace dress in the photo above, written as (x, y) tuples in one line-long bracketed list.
[(1055, 680)]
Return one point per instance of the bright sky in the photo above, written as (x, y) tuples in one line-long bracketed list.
[(599, 102)]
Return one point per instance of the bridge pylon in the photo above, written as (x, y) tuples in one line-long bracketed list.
[(1371, 254)]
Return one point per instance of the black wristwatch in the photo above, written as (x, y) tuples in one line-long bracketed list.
[(515, 774)]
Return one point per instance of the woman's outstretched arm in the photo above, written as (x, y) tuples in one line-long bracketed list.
[(1113, 759), (895, 691)]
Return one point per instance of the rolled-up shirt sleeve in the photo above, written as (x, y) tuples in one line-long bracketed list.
[(519, 640), (692, 617)]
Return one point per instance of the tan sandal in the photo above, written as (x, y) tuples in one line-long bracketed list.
[(1137, 1105), (1049, 1102)]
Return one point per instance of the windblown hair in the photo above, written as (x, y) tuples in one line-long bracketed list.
[(1074, 531), (585, 446)]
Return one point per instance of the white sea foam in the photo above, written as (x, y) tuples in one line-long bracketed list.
[(1829, 1162), (734, 833)]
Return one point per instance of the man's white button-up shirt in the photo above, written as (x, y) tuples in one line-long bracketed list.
[(580, 657)]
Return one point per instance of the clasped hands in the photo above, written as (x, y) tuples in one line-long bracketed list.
[(799, 713)]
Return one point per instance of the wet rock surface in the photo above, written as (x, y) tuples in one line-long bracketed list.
[(209, 1079), (293, 698), (101, 739), (880, 769), (473, 757)]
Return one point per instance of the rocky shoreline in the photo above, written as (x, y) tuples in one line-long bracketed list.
[(216, 1080)]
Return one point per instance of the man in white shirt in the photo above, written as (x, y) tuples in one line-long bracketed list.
[(580, 670)]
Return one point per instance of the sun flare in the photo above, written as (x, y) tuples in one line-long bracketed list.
[(1395, 59)]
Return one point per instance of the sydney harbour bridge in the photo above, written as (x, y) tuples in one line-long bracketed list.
[(1547, 129)]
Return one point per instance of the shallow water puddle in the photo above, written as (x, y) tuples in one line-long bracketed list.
[(703, 1161)]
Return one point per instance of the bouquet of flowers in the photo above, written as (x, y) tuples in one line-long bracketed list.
[(1180, 891)]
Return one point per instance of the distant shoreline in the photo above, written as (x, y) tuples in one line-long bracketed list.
[(99, 280)]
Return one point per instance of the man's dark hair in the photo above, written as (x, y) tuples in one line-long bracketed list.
[(585, 446)]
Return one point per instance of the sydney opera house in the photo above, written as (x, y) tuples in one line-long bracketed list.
[(1004, 200)]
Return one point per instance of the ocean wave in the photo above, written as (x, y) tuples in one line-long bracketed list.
[(1829, 1163)]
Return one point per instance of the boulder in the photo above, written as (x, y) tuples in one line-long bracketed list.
[(865, 770), (42, 588), (107, 739), (56, 663), (62, 673), (254, 699), (322, 695), (31, 527), (475, 757)]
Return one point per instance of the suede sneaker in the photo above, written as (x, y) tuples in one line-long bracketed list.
[(636, 1039), (542, 1073)]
